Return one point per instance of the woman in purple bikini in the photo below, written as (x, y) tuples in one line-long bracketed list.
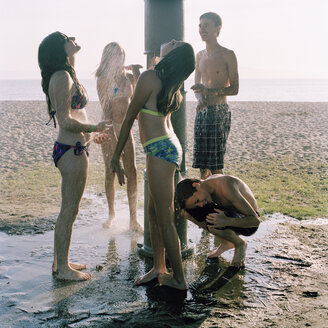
[(66, 100)]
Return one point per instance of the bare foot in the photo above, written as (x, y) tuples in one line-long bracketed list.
[(136, 227), (74, 266), (108, 223), (167, 279), (77, 266), (221, 249), (149, 276), (239, 256), (70, 274)]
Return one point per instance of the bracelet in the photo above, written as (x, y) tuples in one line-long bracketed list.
[(91, 128)]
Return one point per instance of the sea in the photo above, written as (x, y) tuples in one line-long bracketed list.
[(295, 90)]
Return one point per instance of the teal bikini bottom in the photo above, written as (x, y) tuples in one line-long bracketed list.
[(165, 147)]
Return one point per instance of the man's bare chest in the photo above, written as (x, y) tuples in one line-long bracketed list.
[(212, 64)]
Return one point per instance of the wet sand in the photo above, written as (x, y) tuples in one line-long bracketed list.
[(284, 283)]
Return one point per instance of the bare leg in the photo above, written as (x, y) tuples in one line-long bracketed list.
[(130, 169), (159, 266), (224, 246), (75, 266), (205, 173), (239, 244), (74, 174), (239, 256), (219, 171), (110, 195), (161, 186), (109, 182)]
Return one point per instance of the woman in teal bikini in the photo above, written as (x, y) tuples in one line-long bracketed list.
[(156, 96), (66, 99)]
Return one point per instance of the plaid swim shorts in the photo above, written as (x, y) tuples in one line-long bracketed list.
[(211, 131)]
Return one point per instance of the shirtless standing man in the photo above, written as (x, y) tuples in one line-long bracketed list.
[(225, 206), (216, 77)]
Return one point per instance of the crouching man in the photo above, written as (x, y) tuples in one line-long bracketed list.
[(225, 206)]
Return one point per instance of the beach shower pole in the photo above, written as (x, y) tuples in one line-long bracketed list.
[(164, 22)]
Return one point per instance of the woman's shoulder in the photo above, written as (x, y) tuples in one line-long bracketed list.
[(149, 74), (60, 80), (149, 77), (61, 76)]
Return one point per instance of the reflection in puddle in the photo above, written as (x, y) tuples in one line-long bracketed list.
[(31, 297)]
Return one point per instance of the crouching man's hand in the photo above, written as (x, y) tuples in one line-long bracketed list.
[(217, 220)]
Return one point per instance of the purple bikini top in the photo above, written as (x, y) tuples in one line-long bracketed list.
[(79, 98), (79, 101)]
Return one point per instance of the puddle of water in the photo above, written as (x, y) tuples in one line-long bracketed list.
[(31, 297)]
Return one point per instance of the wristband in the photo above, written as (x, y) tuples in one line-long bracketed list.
[(91, 128)]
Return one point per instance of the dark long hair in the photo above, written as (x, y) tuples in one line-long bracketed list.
[(52, 57), (172, 70)]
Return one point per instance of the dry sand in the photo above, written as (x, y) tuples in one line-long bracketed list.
[(260, 130)]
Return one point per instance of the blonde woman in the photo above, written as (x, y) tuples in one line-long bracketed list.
[(115, 89)]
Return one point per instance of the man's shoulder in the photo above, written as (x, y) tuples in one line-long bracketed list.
[(226, 52), (201, 53), (222, 180), (214, 180)]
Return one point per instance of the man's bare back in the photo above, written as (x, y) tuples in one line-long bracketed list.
[(229, 193), (222, 188)]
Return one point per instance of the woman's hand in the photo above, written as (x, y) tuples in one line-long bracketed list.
[(133, 67), (116, 166), (198, 88), (101, 138), (103, 125), (202, 102)]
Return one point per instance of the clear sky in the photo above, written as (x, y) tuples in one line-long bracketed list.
[(271, 38)]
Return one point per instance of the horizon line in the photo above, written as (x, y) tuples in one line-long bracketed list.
[(243, 78)]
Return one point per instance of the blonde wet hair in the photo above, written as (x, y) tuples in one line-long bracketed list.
[(110, 59)]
